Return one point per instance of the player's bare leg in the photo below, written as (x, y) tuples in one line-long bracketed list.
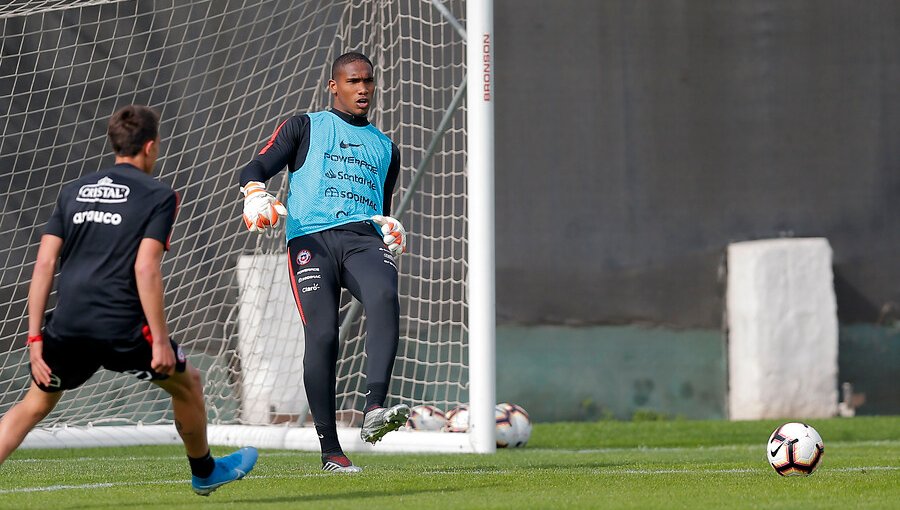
[(22, 417), (186, 390)]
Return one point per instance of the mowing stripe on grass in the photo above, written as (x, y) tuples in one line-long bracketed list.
[(131, 458), (585, 451), (56, 488), (477, 472)]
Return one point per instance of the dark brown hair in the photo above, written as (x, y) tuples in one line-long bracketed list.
[(131, 127)]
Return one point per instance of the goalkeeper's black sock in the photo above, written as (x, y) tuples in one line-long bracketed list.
[(202, 467), (328, 439), (375, 396)]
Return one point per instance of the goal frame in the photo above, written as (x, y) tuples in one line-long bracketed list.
[(480, 284)]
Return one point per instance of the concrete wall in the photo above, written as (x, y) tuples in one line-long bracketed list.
[(565, 373), (591, 373), (637, 138)]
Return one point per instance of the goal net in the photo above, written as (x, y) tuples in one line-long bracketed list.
[(223, 75)]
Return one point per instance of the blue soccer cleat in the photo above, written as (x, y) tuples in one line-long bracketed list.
[(228, 469)]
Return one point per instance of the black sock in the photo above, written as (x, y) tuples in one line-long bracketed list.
[(333, 453), (375, 396), (202, 467), (328, 440)]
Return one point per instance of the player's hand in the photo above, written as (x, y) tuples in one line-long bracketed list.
[(39, 368), (163, 357), (394, 233), (261, 209)]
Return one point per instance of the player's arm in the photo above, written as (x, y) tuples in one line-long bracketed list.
[(38, 295), (290, 140), (391, 228), (391, 180), (148, 274)]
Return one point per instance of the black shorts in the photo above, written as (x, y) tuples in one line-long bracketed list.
[(73, 361)]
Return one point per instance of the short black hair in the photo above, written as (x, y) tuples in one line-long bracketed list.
[(347, 58), (131, 127)]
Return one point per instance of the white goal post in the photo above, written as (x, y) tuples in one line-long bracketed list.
[(223, 74)]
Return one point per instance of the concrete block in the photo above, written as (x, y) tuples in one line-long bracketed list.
[(782, 330)]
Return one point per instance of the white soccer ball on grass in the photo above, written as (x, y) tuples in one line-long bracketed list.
[(795, 449), (513, 425)]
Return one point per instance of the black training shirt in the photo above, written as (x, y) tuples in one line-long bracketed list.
[(102, 219)]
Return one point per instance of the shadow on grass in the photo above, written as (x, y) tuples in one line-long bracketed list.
[(327, 499), (511, 468)]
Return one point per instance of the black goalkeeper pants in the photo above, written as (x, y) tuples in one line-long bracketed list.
[(355, 258)]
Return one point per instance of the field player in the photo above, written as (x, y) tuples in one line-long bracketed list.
[(342, 174), (109, 230)]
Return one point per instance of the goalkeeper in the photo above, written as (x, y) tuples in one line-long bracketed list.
[(109, 230), (342, 172)]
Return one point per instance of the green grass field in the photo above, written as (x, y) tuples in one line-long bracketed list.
[(608, 464)]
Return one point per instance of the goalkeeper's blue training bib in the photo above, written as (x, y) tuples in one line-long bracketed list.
[(341, 180)]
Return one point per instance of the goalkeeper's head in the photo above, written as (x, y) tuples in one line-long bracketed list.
[(348, 58), (133, 132), (352, 83)]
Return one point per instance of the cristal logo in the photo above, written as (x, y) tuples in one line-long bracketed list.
[(104, 192)]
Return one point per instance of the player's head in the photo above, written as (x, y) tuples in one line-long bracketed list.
[(133, 132), (352, 83)]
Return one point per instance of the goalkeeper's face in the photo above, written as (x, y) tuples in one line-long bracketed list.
[(353, 87)]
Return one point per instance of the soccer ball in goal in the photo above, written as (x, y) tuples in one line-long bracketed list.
[(458, 419), (513, 426), (426, 417), (795, 449)]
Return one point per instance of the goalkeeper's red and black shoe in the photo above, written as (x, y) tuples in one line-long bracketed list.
[(338, 463)]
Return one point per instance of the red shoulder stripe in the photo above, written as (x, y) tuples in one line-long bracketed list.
[(294, 288), (174, 217), (272, 140)]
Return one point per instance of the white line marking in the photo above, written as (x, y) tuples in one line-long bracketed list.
[(136, 458), (55, 488)]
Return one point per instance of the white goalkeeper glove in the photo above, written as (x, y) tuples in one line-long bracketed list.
[(394, 233), (261, 209)]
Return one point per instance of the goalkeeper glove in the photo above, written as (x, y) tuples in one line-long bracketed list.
[(261, 209), (394, 233)]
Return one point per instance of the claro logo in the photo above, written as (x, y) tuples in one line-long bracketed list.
[(104, 192)]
